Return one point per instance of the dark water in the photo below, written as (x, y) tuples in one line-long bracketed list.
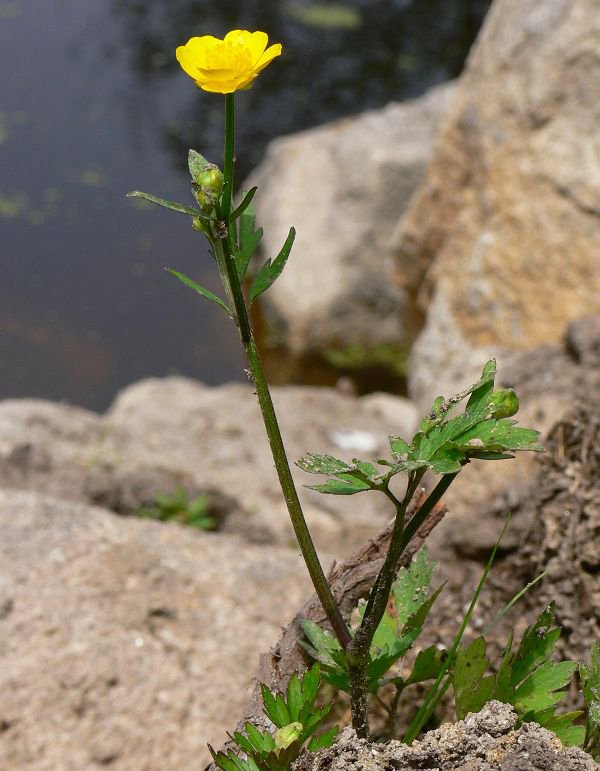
[(93, 104)]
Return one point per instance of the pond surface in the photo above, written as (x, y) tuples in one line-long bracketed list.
[(93, 105)]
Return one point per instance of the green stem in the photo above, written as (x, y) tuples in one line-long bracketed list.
[(228, 155), (227, 267), (358, 650)]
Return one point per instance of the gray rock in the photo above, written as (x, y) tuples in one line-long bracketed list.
[(486, 741), (343, 186)]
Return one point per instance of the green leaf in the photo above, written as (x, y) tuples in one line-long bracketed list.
[(536, 645), (196, 163), (346, 485), (324, 740), (400, 447), (590, 685), (412, 585), (322, 464), (269, 272), (275, 708), (570, 734), (323, 642), (249, 240), (471, 689), (200, 289), (173, 205), (498, 435), (294, 697), (246, 201), (384, 660), (427, 665), (542, 688)]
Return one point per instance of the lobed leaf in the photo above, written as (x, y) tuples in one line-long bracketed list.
[(471, 689)]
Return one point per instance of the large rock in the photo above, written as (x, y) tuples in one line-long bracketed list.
[(163, 434), (126, 643), (343, 186), (506, 227)]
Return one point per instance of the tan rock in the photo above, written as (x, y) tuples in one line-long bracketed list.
[(343, 186), (506, 227)]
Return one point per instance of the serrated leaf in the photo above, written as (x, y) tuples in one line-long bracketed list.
[(324, 740), (536, 645), (322, 464), (200, 289), (323, 643), (270, 271), (427, 665), (417, 619), (471, 689), (173, 205), (542, 689), (498, 435)]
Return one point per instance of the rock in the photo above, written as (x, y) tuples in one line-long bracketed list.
[(551, 381), (343, 186), (503, 235), (161, 435), (125, 642), (486, 741)]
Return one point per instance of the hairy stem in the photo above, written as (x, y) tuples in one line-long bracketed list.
[(227, 267)]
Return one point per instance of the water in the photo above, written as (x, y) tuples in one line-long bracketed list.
[(93, 104)]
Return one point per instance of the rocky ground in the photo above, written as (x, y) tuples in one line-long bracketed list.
[(129, 643), (487, 741)]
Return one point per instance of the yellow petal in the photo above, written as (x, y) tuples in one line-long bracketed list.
[(268, 56), (187, 61)]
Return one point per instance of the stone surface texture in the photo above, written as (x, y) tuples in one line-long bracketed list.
[(162, 434), (127, 644), (343, 186), (486, 741), (502, 239)]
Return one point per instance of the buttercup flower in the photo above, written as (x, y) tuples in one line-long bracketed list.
[(225, 66)]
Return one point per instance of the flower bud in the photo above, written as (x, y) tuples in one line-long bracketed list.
[(198, 225), (207, 186), (287, 735), (503, 403)]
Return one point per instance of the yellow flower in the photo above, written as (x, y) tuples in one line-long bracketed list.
[(225, 66)]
